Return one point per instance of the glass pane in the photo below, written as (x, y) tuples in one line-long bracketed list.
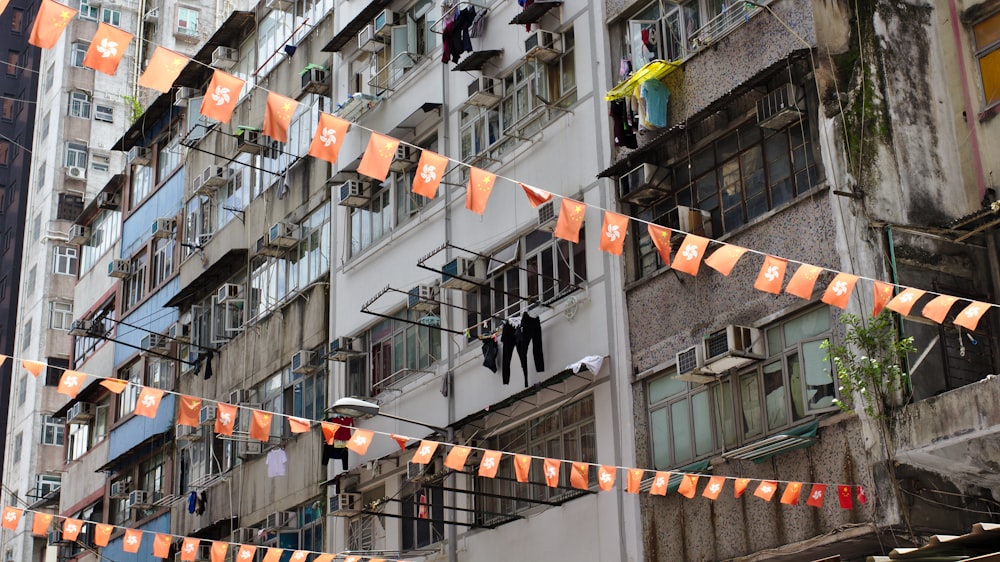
[(820, 388), (774, 345), (807, 326), (795, 386), (724, 422), (750, 400), (680, 416), (702, 414), (665, 387), (987, 31), (774, 388), (989, 67), (659, 428)]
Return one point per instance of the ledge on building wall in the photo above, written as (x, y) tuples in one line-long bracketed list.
[(208, 280), (790, 440), (353, 27)]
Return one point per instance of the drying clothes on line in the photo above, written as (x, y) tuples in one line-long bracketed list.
[(490, 351), (192, 501), (593, 364), (343, 432), (276, 460), (336, 451), (519, 336), (622, 123), (478, 24), (456, 38), (653, 96)]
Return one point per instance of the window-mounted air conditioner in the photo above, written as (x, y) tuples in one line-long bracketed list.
[(163, 227), (690, 363), (383, 23), (644, 184), (315, 80), (76, 173), (81, 327), (79, 234), (225, 57), (345, 504), (249, 142), (545, 46), (140, 499), (281, 520), (690, 220), (180, 331), (119, 268), (187, 433), (406, 157), (183, 95), (152, 16), (139, 156), (283, 235), (251, 448), (732, 348), (109, 201), (207, 415), (245, 535), (228, 292), (342, 348), (780, 107), (485, 92), (352, 194), (80, 413), (120, 490), (547, 216), (215, 176), (367, 41), (423, 298), (157, 343), (464, 274), (305, 362)]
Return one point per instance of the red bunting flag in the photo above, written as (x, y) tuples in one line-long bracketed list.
[(570, 220), (579, 475), (329, 430), (883, 294), (740, 486), (938, 308), (490, 463), (219, 550), (660, 481), (161, 545), (862, 498), (260, 426), (221, 96), (606, 477), (724, 259), (115, 385), (273, 555), (102, 534), (400, 440), (456, 457), (816, 494), (904, 301), (189, 411), (424, 452), (765, 490), (33, 367), (278, 112), (11, 517), (40, 523), (522, 465), (714, 487), (802, 282), (844, 495), (225, 419), (430, 170), (148, 402), (71, 529), (633, 479), (661, 239), (771, 276), (360, 440), (480, 186), (613, 233), (298, 425), (535, 196), (689, 485), (50, 22), (247, 552), (329, 136), (378, 156), (162, 70), (132, 540), (70, 383), (969, 317), (551, 471), (107, 48), (838, 292), (791, 494), (689, 255)]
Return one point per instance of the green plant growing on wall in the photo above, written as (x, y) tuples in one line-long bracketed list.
[(869, 364), (134, 108)]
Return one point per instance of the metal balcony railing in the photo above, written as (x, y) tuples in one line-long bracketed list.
[(389, 75), (724, 23)]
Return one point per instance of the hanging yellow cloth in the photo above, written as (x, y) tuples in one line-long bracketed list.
[(657, 69)]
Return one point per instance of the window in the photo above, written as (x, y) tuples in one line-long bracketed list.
[(45, 484), (50, 75), (13, 63), (406, 47), (134, 287), (141, 186), (64, 260), (305, 533), (127, 399), (84, 436), (22, 390), (45, 126), (163, 261), (76, 154), (16, 20), (168, 155), (32, 273), (77, 52), (187, 21), (398, 350), (60, 315), (111, 17), (7, 108), (662, 34), (100, 163), (53, 430), (423, 518), (15, 455), (5, 153), (84, 346), (87, 11), (104, 231), (26, 339), (104, 113), (987, 38)]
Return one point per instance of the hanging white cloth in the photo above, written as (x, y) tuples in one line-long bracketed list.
[(593, 364)]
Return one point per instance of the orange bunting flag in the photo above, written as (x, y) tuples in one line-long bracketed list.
[(689, 485), (535, 196), (102, 534), (522, 465), (969, 317), (816, 494), (661, 239), (724, 259), (765, 490), (378, 156), (107, 48), (456, 457), (52, 18), (689, 255), (221, 96), (360, 441), (189, 549), (740, 486), (148, 402), (791, 494), (480, 186), (400, 440), (904, 301), (838, 292), (278, 113), (70, 383), (844, 495), (225, 419), (161, 545), (352, 559), (40, 523), (115, 385), (551, 470), (273, 555), (71, 529), (330, 557), (570, 220), (260, 427), (938, 308), (189, 411), (298, 556), (247, 552), (771, 276), (430, 170), (219, 550), (162, 70), (3, 358), (329, 430), (425, 452), (579, 475), (714, 487), (613, 233), (606, 477), (132, 540), (3, 7), (802, 282), (326, 142), (298, 425), (11, 517), (490, 463), (883, 294), (659, 487), (633, 479), (33, 367)]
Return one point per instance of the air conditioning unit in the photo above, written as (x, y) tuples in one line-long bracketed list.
[(152, 16), (119, 268), (180, 331), (249, 142), (251, 448), (423, 298), (283, 235), (108, 200), (781, 107), (187, 433), (155, 342), (688, 219), (262, 248), (81, 327), (644, 184), (225, 57), (547, 216), (79, 234), (139, 156), (367, 40), (485, 92), (76, 173), (140, 499), (383, 23), (183, 95), (732, 348), (228, 292), (464, 274), (245, 535), (55, 538), (280, 5), (80, 413), (543, 45), (304, 362), (406, 158), (163, 228), (204, 239), (314, 80), (690, 363), (345, 504), (342, 348), (198, 187), (352, 194), (241, 396), (120, 490), (207, 415), (281, 520)]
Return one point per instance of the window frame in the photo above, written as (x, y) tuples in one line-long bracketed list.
[(53, 430), (65, 260), (989, 50), (60, 314), (77, 53)]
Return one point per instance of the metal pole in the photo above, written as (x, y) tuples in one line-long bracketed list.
[(450, 515)]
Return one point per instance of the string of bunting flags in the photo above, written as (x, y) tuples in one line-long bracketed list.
[(108, 47), (189, 414)]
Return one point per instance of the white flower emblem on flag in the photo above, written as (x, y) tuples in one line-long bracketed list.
[(148, 401), (360, 439), (428, 173), (10, 516), (189, 547), (425, 450), (225, 418), (71, 528), (839, 288), (613, 233), (107, 48), (221, 95), (246, 555), (714, 487), (690, 252), (71, 381), (489, 463), (131, 540), (550, 472), (605, 477), (660, 482), (906, 297), (772, 273), (817, 495), (299, 555), (328, 136), (972, 311), (766, 488)]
